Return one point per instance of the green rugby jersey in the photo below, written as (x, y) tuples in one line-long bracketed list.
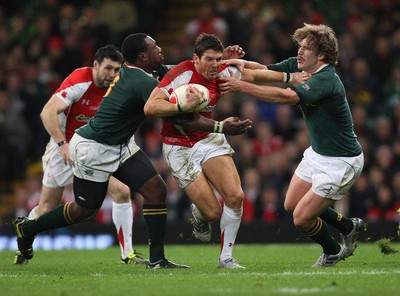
[(325, 110), (120, 113)]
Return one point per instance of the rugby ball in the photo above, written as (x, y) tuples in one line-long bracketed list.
[(178, 97), (230, 71)]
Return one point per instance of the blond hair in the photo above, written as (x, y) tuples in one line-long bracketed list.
[(321, 38)]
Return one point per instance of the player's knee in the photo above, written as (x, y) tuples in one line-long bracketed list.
[(78, 214), (154, 190), (122, 195), (300, 221), (288, 206), (234, 199)]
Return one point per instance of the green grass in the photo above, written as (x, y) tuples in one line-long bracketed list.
[(271, 269)]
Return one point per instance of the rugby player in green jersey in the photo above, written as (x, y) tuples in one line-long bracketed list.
[(104, 147), (334, 161)]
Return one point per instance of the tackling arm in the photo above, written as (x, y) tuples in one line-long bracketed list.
[(194, 121), (264, 93), (158, 104)]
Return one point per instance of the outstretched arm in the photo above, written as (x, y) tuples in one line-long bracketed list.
[(253, 71), (195, 121), (266, 93)]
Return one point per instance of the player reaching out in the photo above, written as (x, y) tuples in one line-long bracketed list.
[(334, 161)]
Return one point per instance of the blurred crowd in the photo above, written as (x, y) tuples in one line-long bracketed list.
[(41, 43)]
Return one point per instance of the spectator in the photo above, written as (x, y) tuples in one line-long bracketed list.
[(251, 189), (368, 33), (360, 197), (384, 207), (270, 205), (207, 21), (265, 141)]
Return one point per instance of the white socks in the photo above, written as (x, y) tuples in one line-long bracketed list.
[(122, 215), (32, 214), (230, 223)]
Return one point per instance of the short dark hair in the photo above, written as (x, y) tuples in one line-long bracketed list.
[(108, 52), (205, 42), (133, 45)]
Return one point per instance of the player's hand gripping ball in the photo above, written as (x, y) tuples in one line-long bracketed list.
[(181, 97)]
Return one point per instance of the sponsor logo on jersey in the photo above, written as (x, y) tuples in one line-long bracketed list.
[(82, 118), (85, 102), (64, 94), (306, 87), (88, 172), (208, 108), (327, 190)]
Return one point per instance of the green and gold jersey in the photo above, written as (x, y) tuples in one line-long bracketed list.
[(325, 110), (120, 113)]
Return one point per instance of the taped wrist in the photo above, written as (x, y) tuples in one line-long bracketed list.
[(287, 77), (218, 126)]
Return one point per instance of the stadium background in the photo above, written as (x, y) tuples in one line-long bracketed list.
[(43, 41)]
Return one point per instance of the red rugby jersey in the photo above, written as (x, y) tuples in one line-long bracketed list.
[(181, 74), (83, 98)]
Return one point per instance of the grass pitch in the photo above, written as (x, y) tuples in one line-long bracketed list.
[(271, 269)]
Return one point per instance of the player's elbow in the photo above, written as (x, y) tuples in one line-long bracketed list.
[(44, 114), (148, 109), (288, 96)]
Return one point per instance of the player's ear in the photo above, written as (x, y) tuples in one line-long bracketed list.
[(96, 65), (144, 56), (321, 56), (196, 59)]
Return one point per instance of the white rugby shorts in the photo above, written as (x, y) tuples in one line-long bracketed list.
[(97, 162), (56, 174), (186, 162), (331, 176)]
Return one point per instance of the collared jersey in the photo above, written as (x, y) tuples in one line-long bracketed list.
[(181, 74), (83, 98), (325, 110), (121, 112)]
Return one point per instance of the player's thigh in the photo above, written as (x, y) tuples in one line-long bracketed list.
[(119, 192), (295, 192), (140, 175), (56, 174), (222, 173), (89, 194), (202, 195)]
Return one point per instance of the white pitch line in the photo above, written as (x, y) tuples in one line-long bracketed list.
[(313, 273)]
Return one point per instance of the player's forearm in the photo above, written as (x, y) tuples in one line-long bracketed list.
[(199, 123), (158, 106), (263, 75), (52, 125), (269, 94), (254, 65)]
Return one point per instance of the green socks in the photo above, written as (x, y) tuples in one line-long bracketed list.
[(156, 218)]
